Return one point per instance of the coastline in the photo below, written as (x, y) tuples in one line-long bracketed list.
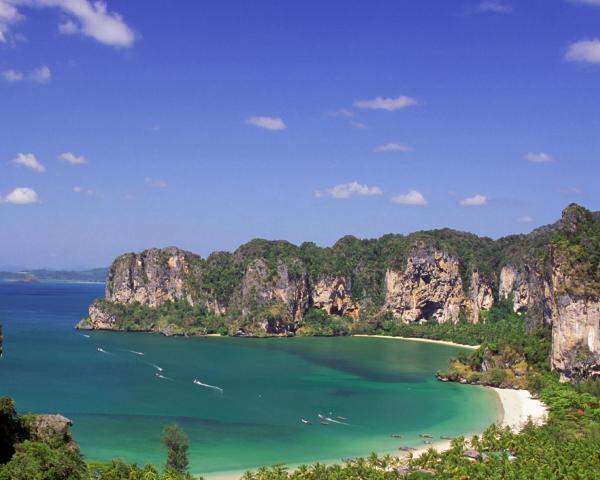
[(515, 407), (424, 340)]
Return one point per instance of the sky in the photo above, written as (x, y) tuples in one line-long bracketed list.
[(204, 124)]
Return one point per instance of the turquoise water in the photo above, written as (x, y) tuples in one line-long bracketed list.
[(119, 405)]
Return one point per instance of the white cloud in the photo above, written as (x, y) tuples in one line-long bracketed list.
[(474, 201), (588, 2), (12, 76), (393, 147), (270, 123), (538, 157), (8, 16), (411, 197), (85, 17), (67, 27), (389, 104), (156, 183), (525, 219), (40, 74), (72, 158), (347, 190), (28, 160), (490, 6), (21, 196), (585, 51), (87, 191)]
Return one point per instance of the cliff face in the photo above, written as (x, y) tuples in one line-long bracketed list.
[(268, 287), (430, 287)]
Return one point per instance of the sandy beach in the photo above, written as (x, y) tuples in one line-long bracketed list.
[(424, 340)]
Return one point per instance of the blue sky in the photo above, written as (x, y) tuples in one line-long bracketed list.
[(205, 124)]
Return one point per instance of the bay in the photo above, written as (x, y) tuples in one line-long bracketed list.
[(121, 389)]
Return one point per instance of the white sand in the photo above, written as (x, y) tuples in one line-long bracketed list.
[(519, 406), (425, 340)]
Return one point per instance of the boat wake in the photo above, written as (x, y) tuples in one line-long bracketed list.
[(331, 420), (101, 350), (84, 335), (134, 352), (162, 377), (199, 383), (160, 369)]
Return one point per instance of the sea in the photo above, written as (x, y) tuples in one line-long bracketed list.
[(241, 401)]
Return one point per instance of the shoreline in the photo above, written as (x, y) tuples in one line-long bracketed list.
[(424, 340), (515, 407)]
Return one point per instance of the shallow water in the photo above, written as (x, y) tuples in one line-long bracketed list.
[(108, 385)]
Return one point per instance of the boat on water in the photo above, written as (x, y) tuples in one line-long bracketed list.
[(425, 435), (395, 435), (305, 421)]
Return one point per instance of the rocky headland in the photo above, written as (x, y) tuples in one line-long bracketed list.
[(551, 276)]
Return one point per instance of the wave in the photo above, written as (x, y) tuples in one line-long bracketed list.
[(214, 387)]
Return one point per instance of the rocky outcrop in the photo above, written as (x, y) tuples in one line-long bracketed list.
[(513, 282), (576, 336), (481, 296), (430, 287), (51, 428), (278, 300), (152, 277), (332, 294)]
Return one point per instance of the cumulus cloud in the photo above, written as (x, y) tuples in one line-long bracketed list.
[(347, 190), (538, 157), (490, 6), (474, 201), (393, 147), (8, 16), (21, 196), (28, 160), (269, 123), (156, 183), (389, 104), (72, 159), (412, 197), (40, 74), (84, 17), (585, 51)]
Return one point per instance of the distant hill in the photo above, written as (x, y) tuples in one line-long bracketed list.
[(43, 275)]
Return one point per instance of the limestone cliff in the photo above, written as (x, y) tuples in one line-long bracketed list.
[(269, 287), (430, 287)]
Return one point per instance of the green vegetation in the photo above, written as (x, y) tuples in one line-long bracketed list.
[(577, 248), (176, 442), (27, 455)]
